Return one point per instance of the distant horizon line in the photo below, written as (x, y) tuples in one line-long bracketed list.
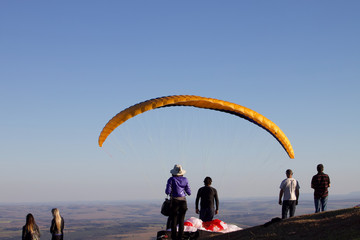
[(303, 196)]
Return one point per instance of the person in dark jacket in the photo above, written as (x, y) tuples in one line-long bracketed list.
[(320, 183), (30, 230), (178, 187), (57, 225), (207, 195)]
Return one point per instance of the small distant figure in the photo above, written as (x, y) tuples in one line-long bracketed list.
[(207, 195), (320, 183), (289, 187), (30, 230), (57, 225), (177, 187)]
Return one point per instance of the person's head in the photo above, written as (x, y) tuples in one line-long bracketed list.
[(320, 168), (30, 221), (207, 181), (177, 170), (289, 173), (55, 212)]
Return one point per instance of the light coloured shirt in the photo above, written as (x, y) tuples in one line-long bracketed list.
[(289, 185)]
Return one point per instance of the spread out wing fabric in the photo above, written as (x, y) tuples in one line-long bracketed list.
[(199, 102)]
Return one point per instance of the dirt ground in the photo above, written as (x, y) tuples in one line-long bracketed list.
[(338, 224)]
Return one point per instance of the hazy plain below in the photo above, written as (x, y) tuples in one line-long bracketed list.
[(142, 220)]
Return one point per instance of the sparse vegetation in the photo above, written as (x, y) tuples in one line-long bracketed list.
[(143, 220)]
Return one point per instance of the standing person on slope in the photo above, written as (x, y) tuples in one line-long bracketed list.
[(177, 187), (207, 195), (57, 225), (30, 230), (320, 183), (289, 187)]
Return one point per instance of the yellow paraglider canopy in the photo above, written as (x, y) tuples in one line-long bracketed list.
[(199, 102)]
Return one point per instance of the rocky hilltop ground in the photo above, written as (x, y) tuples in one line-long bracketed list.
[(338, 224)]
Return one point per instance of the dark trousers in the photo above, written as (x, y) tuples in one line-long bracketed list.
[(168, 222), (207, 214), (178, 210), (320, 204), (288, 205)]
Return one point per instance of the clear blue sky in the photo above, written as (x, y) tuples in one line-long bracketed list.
[(67, 67)]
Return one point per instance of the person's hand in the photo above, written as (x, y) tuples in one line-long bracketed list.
[(280, 202), (216, 212), (296, 202), (197, 211)]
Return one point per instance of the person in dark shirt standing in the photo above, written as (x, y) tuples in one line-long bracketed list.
[(57, 225), (320, 183), (207, 194)]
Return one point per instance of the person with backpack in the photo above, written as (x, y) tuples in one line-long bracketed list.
[(177, 187), (30, 230)]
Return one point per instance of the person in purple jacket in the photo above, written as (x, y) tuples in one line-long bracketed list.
[(177, 187)]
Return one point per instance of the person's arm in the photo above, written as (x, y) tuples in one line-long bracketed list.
[(216, 203), (313, 182), (62, 224), (23, 233), (52, 226), (188, 189), (37, 230), (280, 196), (297, 194), (168, 187), (197, 202)]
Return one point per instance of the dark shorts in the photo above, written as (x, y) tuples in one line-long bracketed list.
[(207, 214), (288, 206)]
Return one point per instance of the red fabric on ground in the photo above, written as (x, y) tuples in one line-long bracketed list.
[(189, 224), (214, 225)]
